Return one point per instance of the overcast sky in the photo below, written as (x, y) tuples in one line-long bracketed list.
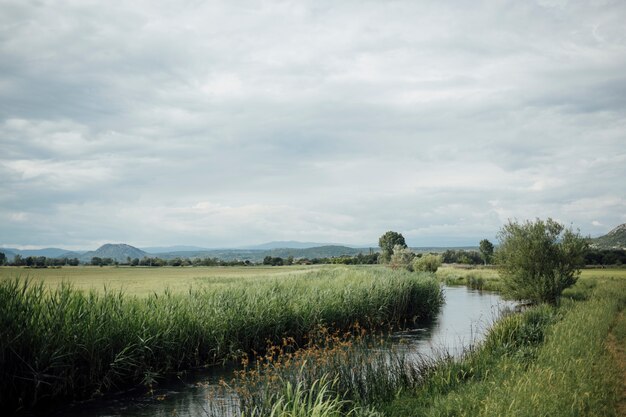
[(227, 123)]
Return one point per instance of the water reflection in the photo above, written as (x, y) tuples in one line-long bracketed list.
[(462, 321)]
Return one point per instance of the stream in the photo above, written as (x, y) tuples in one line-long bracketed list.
[(463, 320)]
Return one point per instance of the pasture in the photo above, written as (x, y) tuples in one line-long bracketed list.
[(142, 281)]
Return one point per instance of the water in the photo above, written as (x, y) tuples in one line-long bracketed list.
[(462, 321)]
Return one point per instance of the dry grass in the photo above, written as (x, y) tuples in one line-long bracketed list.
[(144, 281)]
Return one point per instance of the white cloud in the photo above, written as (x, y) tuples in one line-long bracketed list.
[(235, 122)]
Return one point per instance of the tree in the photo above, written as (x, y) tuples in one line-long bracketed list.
[(486, 251), (387, 242), (3, 258), (402, 257), (427, 263), (538, 260)]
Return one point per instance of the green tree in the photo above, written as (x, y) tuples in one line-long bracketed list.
[(486, 251), (387, 242), (402, 257), (427, 263), (3, 258), (538, 260)]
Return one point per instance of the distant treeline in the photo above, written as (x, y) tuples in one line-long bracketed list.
[(38, 261), (468, 257), (605, 257), (596, 257), (44, 262)]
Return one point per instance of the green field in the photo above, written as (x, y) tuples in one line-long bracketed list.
[(58, 342), (146, 280)]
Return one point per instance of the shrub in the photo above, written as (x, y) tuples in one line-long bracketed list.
[(427, 263)]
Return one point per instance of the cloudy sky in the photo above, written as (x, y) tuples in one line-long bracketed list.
[(227, 123)]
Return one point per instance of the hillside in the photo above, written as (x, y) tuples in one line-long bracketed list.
[(119, 252), (615, 239), (257, 255)]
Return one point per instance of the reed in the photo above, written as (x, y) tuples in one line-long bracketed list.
[(60, 344)]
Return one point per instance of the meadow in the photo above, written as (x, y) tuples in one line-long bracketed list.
[(60, 343), (142, 281)]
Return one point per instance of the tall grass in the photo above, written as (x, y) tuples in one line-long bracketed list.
[(63, 344), (365, 369), (545, 362)]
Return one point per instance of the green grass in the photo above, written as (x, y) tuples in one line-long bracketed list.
[(143, 281), (476, 278), (57, 342), (546, 362)]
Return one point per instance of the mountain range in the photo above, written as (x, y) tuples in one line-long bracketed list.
[(615, 239)]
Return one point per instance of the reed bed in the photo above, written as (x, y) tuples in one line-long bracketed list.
[(345, 372), (60, 344)]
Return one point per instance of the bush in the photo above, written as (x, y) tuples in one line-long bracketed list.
[(538, 260), (427, 263)]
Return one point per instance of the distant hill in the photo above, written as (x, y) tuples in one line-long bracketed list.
[(615, 239), (47, 252), (117, 251), (257, 255), (289, 244), (175, 248), (10, 254)]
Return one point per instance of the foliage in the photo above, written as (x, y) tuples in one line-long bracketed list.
[(538, 260), (388, 242), (486, 250), (402, 257), (277, 261), (544, 362), (65, 343), (364, 374), (461, 256), (605, 257), (427, 263)]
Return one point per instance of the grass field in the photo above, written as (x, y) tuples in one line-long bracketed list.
[(57, 342), (488, 278), (145, 280)]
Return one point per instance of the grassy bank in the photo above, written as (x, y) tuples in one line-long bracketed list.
[(63, 343), (547, 361)]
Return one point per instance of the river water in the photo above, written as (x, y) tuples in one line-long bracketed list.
[(463, 320)]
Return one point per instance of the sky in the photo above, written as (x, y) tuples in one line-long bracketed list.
[(230, 123)]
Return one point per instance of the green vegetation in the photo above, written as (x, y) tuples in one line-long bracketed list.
[(64, 343), (615, 239), (427, 263), (388, 243), (546, 361), (486, 250), (538, 260), (477, 278)]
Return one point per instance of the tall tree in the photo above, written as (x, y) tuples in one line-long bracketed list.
[(387, 242), (486, 251), (538, 260)]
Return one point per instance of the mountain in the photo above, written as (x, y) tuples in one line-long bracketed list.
[(289, 244), (175, 248), (615, 239), (47, 252), (117, 251), (10, 253), (257, 255)]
